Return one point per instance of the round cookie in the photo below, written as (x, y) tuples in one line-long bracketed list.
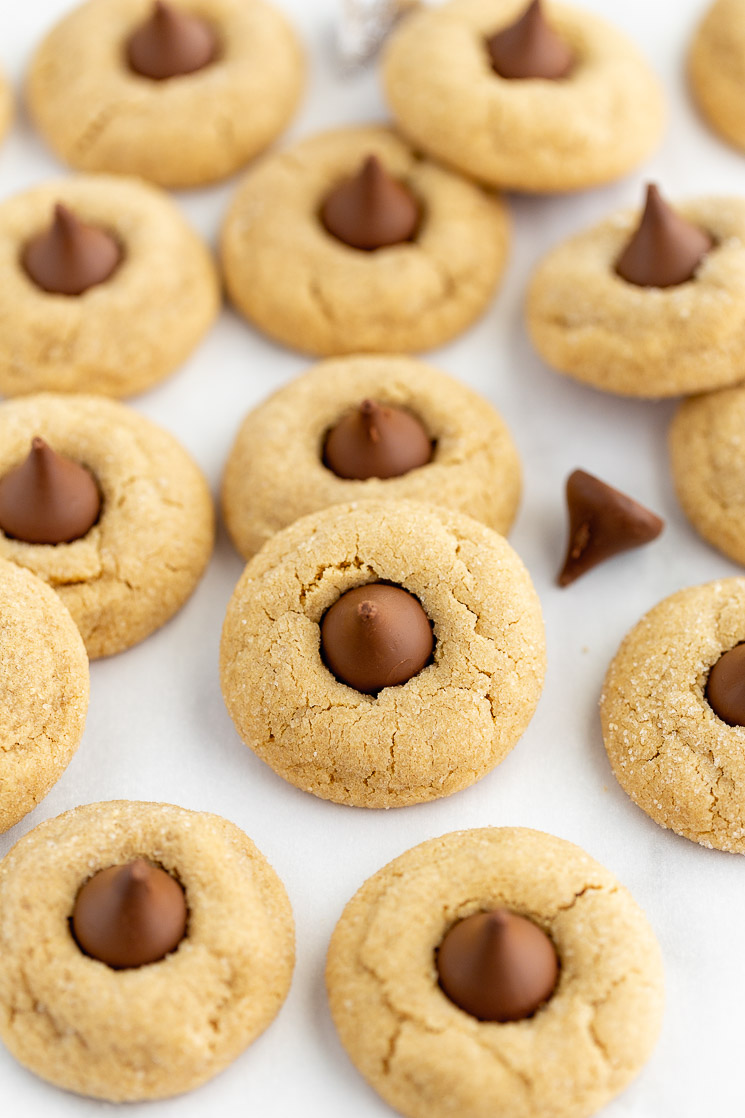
[(708, 464), (99, 115), (276, 473), (144, 556), (121, 336), (588, 322), (43, 691), (717, 68), (670, 752), (590, 127), (429, 737), (427, 1057), (157, 1030), (308, 290)]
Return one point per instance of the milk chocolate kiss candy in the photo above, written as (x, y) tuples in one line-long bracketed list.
[(48, 498), (371, 210), (725, 689), (665, 250), (530, 48), (376, 636), (376, 440), (497, 966), (70, 256), (127, 916), (602, 522), (172, 42)]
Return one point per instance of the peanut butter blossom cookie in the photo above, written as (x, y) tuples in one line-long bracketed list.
[(522, 95), (383, 653), (43, 691), (350, 241), (492, 972), (181, 92), (105, 507), (647, 304), (707, 454), (142, 948), (717, 68), (365, 427), (673, 713), (105, 287)]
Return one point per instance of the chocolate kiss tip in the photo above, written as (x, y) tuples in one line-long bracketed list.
[(375, 440), (530, 48), (370, 210), (602, 523), (48, 499), (171, 43), (69, 256), (665, 249)]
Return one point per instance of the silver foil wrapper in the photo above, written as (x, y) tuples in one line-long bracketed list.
[(364, 25)]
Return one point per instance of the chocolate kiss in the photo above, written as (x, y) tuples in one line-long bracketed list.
[(376, 636), (497, 966), (371, 210), (725, 690), (665, 249), (48, 498), (602, 522), (376, 440), (530, 48), (70, 256), (127, 916), (170, 43)]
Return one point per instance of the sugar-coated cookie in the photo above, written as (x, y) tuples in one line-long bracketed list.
[(139, 561), (647, 339), (99, 114), (145, 1031), (717, 68), (124, 332), (43, 691), (429, 1058), (445, 246), (470, 634), (277, 470), (707, 455), (589, 126), (670, 749)]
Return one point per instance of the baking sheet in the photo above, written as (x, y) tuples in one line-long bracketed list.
[(157, 728)]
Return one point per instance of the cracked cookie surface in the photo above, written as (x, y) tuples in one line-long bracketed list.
[(670, 752), (430, 1059), (306, 289), (717, 68), (276, 474), (99, 115), (144, 556), (588, 322), (528, 134), (119, 337), (43, 691), (707, 456), (156, 1030), (439, 732)]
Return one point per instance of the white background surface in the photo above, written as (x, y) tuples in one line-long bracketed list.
[(157, 728)]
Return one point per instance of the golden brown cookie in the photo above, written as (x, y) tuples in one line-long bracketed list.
[(304, 287), (120, 336), (426, 738), (99, 115), (43, 691), (589, 127), (717, 68), (427, 1057), (588, 322), (707, 455), (676, 758), (144, 556), (276, 471), (157, 1030)]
